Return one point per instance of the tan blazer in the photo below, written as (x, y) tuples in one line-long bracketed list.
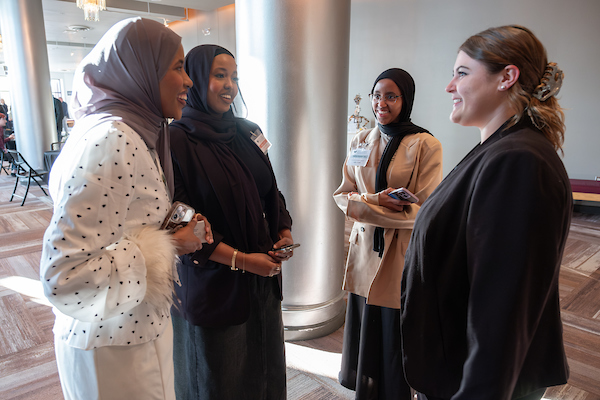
[(417, 166)]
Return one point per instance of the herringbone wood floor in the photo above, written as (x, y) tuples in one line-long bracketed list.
[(28, 369)]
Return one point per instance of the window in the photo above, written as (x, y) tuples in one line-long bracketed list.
[(57, 88)]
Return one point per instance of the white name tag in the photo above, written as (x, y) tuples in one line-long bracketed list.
[(358, 157), (260, 140)]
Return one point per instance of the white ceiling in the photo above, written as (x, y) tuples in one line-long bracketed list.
[(59, 15)]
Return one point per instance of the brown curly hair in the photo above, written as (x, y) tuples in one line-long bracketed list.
[(516, 45)]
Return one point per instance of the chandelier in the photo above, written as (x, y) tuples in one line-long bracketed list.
[(92, 8)]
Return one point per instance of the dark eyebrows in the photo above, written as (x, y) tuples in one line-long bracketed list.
[(386, 93), (221, 69)]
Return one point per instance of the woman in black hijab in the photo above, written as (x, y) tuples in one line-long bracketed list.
[(397, 153), (228, 327)]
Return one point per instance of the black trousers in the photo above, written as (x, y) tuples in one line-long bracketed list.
[(537, 395)]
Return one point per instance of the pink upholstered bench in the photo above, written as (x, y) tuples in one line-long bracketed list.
[(586, 195), (585, 186)]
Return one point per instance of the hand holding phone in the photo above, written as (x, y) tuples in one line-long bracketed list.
[(179, 214), (286, 249), (403, 194)]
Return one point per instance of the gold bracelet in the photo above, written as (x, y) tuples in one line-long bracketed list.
[(233, 268), (244, 264)]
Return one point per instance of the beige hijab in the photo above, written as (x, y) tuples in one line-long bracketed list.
[(120, 80)]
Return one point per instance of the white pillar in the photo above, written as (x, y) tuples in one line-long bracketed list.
[(24, 39), (292, 60)]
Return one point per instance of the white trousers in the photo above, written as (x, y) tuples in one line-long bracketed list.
[(143, 372)]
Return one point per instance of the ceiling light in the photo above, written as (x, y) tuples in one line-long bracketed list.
[(76, 29), (79, 28), (91, 8)]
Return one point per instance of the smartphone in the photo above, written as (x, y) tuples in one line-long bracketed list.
[(199, 231), (403, 194), (286, 249), (179, 214)]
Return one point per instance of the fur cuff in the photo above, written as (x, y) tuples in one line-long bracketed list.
[(160, 255)]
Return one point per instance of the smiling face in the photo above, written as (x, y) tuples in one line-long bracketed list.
[(222, 84), (174, 86), (385, 111), (475, 93)]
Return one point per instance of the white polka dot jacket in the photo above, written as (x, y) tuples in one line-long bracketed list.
[(105, 265)]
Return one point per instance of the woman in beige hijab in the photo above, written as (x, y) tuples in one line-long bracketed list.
[(106, 266)]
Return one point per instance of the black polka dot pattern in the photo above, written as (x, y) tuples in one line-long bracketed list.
[(104, 184)]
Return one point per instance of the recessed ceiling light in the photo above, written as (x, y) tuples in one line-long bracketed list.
[(77, 28)]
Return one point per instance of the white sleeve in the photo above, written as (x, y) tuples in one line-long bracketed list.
[(89, 269)]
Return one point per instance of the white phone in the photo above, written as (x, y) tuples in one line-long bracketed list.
[(403, 194), (199, 231)]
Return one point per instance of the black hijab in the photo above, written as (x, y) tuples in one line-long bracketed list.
[(209, 126), (198, 63), (397, 131), (231, 180)]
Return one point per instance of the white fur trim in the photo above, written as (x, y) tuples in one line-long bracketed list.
[(160, 255)]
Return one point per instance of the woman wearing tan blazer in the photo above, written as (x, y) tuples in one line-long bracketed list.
[(395, 154)]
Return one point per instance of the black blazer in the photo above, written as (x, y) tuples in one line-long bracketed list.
[(480, 300), (211, 294)]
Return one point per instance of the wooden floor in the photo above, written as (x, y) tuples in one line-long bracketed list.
[(28, 369)]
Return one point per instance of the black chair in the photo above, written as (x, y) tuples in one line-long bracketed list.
[(5, 157), (26, 171)]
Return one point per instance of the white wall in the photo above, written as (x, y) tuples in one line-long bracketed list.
[(220, 21), (422, 37)]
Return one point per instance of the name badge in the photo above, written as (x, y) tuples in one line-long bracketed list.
[(359, 157), (260, 140)]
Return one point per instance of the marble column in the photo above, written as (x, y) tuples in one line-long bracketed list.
[(292, 60), (24, 39)]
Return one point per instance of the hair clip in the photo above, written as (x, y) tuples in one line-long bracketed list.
[(550, 84)]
